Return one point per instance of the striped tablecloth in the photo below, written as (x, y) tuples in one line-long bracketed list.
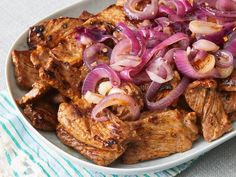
[(21, 154)]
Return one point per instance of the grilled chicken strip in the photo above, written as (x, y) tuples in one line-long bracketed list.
[(203, 98), (161, 134)]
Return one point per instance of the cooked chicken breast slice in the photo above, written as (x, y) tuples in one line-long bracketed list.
[(161, 133), (25, 72), (98, 156), (50, 32), (203, 98), (112, 135)]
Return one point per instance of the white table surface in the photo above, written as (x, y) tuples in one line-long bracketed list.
[(18, 15)]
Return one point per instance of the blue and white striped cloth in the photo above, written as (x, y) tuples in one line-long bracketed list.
[(22, 155)]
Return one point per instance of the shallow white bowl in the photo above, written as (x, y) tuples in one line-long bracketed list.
[(52, 142)]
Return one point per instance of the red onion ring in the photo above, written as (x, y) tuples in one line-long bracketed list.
[(185, 67), (114, 99), (89, 54), (230, 45), (149, 12), (224, 59), (169, 41), (132, 37), (158, 69), (225, 5), (169, 99), (100, 72), (215, 12)]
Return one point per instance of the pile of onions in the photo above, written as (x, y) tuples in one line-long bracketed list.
[(195, 38)]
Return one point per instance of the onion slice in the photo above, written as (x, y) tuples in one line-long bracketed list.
[(185, 67), (169, 41), (169, 99), (160, 71), (224, 59), (149, 12), (89, 55), (215, 12), (100, 72), (116, 99)]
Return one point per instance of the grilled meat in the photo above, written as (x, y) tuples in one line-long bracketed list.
[(109, 18), (42, 115), (69, 50), (65, 78), (25, 72), (85, 15), (228, 84), (40, 56), (98, 156), (203, 98), (39, 89), (162, 134), (229, 100), (50, 32), (112, 135)]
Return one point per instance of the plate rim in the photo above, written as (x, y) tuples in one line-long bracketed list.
[(91, 165)]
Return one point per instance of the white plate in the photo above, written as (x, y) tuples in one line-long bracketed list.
[(199, 147)]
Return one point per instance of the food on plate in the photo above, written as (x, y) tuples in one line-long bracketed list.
[(140, 80)]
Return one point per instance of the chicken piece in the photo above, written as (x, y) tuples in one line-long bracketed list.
[(50, 32), (98, 156), (203, 98), (162, 134), (134, 91), (42, 115), (40, 56), (42, 110), (85, 15), (65, 78), (111, 135), (69, 50), (109, 18), (228, 84), (39, 89), (229, 100), (25, 72), (197, 92)]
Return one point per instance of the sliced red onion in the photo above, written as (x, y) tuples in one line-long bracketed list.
[(149, 12), (168, 57), (126, 61), (169, 99), (226, 5), (121, 48), (217, 13), (116, 99), (224, 59), (89, 35), (132, 37), (159, 71), (185, 67), (166, 10), (100, 72), (218, 37), (231, 44), (169, 41), (188, 6), (90, 54), (94, 33), (200, 55)]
